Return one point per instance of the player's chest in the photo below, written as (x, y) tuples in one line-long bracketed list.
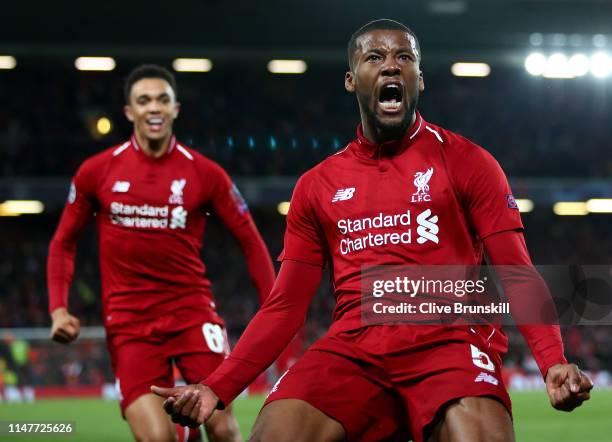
[(149, 185), (409, 187)]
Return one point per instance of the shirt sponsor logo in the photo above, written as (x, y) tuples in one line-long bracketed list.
[(428, 228), (72, 193), (421, 182), (121, 186), (148, 217), (343, 194), (179, 218), (354, 241), (512, 204), (176, 188), (486, 377)]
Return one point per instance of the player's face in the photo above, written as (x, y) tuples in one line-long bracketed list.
[(152, 108), (387, 81)]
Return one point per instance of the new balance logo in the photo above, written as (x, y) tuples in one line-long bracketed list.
[(486, 377), (343, 194), (428, 228), (121, 186)]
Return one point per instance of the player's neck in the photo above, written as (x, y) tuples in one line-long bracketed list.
[(376, 135), (153, 148)]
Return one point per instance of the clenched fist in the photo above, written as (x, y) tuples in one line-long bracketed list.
[(65, 327)]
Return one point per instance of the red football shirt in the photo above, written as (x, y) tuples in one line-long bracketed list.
[(432, 198), (429, 199), (150, 217)]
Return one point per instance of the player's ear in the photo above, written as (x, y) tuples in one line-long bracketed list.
[(177, 110), (349, 81), (421, 82), (129, 114)]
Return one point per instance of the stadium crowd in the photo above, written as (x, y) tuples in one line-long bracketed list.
[(260, 124)]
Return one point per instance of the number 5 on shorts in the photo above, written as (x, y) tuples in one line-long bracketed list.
[(215, 337), (481, 359)]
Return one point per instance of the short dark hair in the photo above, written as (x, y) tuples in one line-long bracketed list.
[(147, 71), (381, 24)]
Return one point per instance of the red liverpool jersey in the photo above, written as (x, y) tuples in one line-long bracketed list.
[(150, 217), (429, 199)]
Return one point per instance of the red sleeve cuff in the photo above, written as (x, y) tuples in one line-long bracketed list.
[(222, 388)]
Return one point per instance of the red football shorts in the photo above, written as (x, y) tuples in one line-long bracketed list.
[(385, 385), (141, 361)]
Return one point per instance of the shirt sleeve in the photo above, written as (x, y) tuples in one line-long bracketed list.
[(225, 199), (230, 206), (79, 208), (526, 289), (304, 237), (270, 331), (486, 193)]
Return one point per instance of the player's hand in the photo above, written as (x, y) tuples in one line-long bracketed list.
[(568, 386), (189, 406), (65, 327)]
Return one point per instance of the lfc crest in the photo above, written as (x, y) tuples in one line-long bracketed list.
[(421, 182)]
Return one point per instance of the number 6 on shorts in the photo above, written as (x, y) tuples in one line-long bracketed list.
[(215, 337)]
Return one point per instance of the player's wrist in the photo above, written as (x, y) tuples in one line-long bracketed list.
[(553, 367), (210, 390), (59, 312)]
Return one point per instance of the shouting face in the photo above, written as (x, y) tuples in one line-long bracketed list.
[(387, 81)]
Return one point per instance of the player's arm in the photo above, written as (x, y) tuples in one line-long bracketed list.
[(272, 328), (266, 336), (60, 260), (228, 204), (566, 384), (494, 216)]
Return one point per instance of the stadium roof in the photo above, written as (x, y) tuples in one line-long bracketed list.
[(317, 28)]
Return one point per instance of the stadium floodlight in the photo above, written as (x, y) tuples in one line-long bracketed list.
[(536, 39), (104, 125), (95, 63), (557, 66), (579, 65), (601, 65), (599, 205), (599, 40), (192, 65), (464, 69), (283, 207), (287, 66), (524, 205), (535, 63), (7, 62), (20, 207), (570, 208)]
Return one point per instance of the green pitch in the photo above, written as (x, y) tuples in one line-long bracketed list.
[(535, 420)]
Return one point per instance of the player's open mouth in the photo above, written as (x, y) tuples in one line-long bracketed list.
[(155, 123), (390, 98)]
